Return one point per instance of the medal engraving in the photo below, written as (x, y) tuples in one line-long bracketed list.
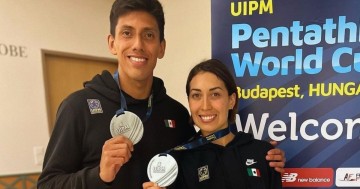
[(162, 169), (127, 124)]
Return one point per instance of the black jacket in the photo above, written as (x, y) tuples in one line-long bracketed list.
[(239, 165), (73, 154)]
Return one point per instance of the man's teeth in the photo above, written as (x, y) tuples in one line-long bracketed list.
[(137, 59)]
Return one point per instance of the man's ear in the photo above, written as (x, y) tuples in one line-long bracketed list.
[(111, 44), (162, 49)]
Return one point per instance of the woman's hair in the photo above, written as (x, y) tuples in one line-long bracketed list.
[(153, 7), (222, 72)]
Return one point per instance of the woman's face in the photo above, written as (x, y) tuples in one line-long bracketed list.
[(209, 102)]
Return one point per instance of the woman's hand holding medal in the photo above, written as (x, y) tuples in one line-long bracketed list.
[(151, 185)]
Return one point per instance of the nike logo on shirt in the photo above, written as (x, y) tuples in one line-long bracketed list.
[(250, 162)]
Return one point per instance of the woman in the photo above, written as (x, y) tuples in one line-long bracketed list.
[(226, 160)]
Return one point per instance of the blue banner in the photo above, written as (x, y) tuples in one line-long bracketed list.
[(297, 67)]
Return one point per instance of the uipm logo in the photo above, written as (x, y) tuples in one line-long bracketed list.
[(348, 177)]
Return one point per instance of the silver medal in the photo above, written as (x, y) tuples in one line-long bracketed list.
[(162, 169), (127, 124)]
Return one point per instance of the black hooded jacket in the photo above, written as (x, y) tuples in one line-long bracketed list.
[(239, 165), (83, 125)]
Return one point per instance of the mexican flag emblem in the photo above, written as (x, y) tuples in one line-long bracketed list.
[(170, 123), (253, 172)]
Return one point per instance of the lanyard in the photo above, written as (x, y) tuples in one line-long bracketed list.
[(123, 105), (202, 140)]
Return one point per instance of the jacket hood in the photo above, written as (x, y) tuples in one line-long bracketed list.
[(105, 85)]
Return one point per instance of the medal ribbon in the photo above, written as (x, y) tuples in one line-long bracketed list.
[(202, 140), (123, 105)]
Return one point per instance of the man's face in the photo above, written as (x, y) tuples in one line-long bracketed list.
[(137, 45)]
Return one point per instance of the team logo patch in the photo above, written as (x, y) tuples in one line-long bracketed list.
[(203, 173), (94, 106)]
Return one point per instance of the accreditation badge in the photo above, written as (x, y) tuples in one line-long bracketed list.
[(162, 169), (127, 124)]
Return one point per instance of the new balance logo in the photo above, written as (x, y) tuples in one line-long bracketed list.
[(289, 177)]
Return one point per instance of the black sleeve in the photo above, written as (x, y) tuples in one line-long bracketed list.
[(63, 166)]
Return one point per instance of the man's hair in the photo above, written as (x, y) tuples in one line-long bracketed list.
[(222, 72), (153, 7)]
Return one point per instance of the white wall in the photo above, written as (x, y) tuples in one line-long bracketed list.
[(79, 27), (188, 36)]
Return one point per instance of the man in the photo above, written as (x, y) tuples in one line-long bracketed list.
[(82, 152)]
